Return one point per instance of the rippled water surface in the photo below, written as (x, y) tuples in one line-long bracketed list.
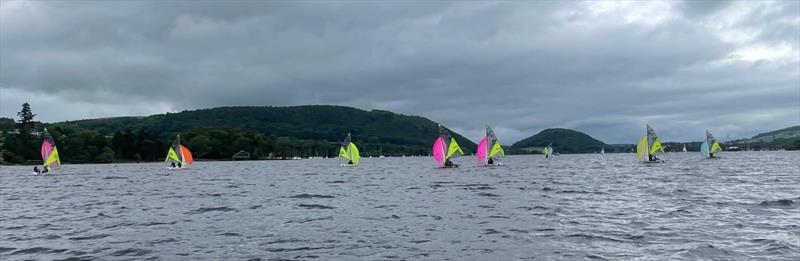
[(744, 206)]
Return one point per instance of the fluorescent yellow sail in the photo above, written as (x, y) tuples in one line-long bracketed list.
[(343, 153), (715, 147), (171, 155), (641, 148), (497, 149), (656, 146), (53, 158), (453, 148), (354, 153)]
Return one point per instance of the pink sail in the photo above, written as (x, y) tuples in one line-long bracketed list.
[(47, 148), (483, 148), (438, 151)]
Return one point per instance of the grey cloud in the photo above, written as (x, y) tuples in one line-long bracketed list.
[(521, 67)]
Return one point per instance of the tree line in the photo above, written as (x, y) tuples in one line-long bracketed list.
[(20, 142)]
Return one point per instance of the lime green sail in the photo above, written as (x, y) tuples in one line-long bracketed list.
[(497, 149), (641, 148), (173, 156), (453, 148), (649, 144), (349, 151)]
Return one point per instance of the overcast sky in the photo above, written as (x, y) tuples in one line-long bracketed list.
[(605, 68)]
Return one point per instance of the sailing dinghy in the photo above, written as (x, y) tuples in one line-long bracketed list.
[(710, 146), (548, 151), (349, 152), (489, 149), (648, 146), (178, 155), (445, 148), (50, 159)]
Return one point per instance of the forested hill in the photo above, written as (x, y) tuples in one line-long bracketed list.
[(563, 140), (374, 130)]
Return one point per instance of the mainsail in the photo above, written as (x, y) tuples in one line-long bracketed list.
[(648, 144), (49, 152), (710, 145), (445, 147), (489, 147), (349, 151), (178, 153)]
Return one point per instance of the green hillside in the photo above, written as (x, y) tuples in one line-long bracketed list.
[(787, 138), (563, 140), (298, 131)]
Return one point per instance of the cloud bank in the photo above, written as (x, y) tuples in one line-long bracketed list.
[(605, 68)]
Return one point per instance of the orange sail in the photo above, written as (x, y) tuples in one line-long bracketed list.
[(187, 155)]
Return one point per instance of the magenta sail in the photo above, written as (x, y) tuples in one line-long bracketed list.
[(47, 148), (438, 151), (483, 148)]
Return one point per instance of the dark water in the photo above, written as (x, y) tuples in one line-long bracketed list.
[(745, 206)]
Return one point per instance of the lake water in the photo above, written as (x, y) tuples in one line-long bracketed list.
[(745, 206)]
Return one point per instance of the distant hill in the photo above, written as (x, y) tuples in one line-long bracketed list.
[(372, 130), (564, 141), (787, 138)]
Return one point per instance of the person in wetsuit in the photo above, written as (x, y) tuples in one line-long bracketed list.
[(490, 161), (173, 164), (350, 162), (36, 169)]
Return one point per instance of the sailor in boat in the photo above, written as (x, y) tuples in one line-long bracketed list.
[(173, 164), (449, 164), (180, 165), (652, 157), (40, 171), (711, 155), (490, 161), (350, 162)]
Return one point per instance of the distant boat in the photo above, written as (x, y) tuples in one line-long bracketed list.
[(709, 146), (50, 158), (684, 147), (649, 145), (603, 151), (489, 148), (548, 151), (444, 148), (349, 151), (179, 155)]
